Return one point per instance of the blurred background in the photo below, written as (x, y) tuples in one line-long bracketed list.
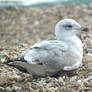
[(26, 3), (29, 21)]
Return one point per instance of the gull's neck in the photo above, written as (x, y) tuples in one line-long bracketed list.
[(65, 37), (68, 39)]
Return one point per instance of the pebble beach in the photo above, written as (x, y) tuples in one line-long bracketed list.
[(22, 27)]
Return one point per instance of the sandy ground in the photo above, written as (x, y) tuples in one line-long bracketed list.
[(22, 27)]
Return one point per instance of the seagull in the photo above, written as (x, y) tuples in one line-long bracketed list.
[(48, 57)]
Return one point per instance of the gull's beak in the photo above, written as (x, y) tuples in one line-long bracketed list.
[(85, 29)]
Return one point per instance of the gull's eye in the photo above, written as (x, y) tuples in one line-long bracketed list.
[(69, 26)]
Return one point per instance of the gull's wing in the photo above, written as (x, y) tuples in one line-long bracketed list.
[(34, 69), (46, 52)]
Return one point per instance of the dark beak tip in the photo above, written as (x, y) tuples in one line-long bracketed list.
[(85, 29)]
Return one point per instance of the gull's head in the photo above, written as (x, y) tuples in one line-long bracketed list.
[(66, 28)]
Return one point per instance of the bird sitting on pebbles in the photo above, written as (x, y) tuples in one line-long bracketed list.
[(49, 57)]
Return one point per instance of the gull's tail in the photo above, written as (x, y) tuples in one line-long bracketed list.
[(15, 59)]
